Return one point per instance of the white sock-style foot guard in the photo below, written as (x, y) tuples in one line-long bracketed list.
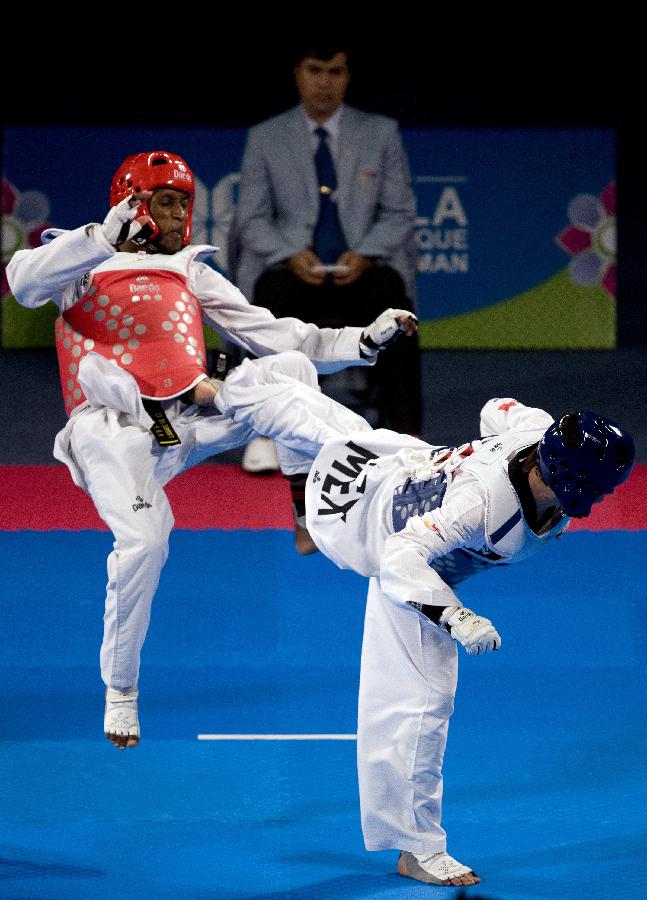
[(432, 868), (121, 720)]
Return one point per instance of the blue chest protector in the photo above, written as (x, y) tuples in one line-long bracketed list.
[(507, 536), (415, 498)]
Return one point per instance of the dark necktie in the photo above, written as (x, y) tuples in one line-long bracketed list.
[(328, 241)]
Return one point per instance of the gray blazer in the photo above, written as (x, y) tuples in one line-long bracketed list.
[(279, 196)]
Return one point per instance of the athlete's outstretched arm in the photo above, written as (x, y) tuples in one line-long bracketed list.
[(505, 413)]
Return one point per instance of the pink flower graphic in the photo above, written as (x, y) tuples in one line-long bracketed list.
[(24, 218), (591, 239)]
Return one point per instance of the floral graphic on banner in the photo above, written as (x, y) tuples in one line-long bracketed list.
[(24, 218), (591, 239)]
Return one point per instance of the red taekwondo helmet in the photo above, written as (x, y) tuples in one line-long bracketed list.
[(147, 171)]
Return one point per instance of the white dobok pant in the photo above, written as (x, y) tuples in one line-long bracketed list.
[(409, 666), (406, 697), (124, 470)]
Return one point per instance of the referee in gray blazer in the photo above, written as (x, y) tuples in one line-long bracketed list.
[(325, 222)]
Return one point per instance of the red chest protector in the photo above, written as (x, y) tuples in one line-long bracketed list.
[(141, 318)]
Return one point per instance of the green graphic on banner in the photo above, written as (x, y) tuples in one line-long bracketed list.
[(23, 327), (555, 315)]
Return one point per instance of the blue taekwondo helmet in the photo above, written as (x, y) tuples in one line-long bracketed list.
[(582, 457)]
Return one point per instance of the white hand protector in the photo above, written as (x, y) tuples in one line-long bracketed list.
[(475, 633), (118, 226), (384, 330)]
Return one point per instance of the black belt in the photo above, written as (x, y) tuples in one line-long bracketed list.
[(161, 429)]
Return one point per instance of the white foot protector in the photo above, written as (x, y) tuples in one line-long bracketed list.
[(120, 717), (259, 456), (432, 868)]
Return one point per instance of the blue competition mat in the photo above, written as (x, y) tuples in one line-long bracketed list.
[(545, 784)]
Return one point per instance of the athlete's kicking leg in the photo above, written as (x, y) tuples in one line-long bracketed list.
[(279, 397)]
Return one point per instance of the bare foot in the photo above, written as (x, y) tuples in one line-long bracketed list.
[(205, 391), (465, 880), (303, 542), (122, 741)]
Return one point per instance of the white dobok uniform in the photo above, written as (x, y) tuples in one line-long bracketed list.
[(417, 520), (140, 311)]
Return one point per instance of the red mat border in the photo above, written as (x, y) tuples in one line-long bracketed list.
[(43, 498)]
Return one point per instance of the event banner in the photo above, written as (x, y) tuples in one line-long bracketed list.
[(515, 228)]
